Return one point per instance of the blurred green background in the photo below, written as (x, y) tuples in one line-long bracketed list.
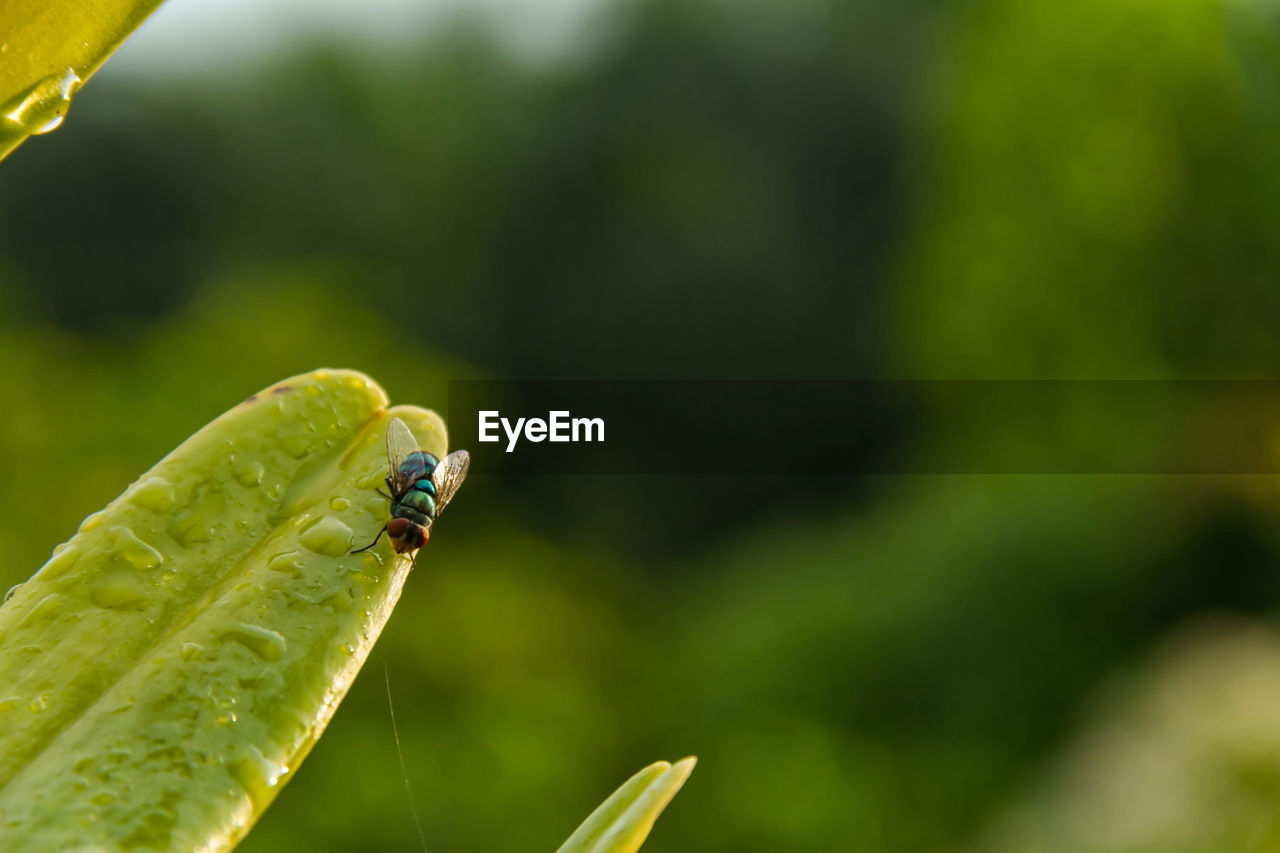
[(716, 189)]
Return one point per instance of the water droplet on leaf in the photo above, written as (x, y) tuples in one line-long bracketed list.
[(153, 493), (249, 473), (290, 562), (42, 106), (257, 774), (328, 536), (263, 642), (192, 651), (138, 553)]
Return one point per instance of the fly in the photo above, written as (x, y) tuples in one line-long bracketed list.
[(420, 487)]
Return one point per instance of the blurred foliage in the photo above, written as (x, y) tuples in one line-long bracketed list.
[(711, 189), (1100, 200), (1179, 756)]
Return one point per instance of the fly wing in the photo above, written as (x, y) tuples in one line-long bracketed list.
[(400, 443), (448, 476)]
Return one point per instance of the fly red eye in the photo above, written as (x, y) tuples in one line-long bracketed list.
[(397, 527)]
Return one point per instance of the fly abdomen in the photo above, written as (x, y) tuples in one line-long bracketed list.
[(420, 502)]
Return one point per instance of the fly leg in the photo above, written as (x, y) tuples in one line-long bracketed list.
[(374, 542)]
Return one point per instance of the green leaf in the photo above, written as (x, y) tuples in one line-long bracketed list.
[(621, 823), (48, 48), (166, 671)]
